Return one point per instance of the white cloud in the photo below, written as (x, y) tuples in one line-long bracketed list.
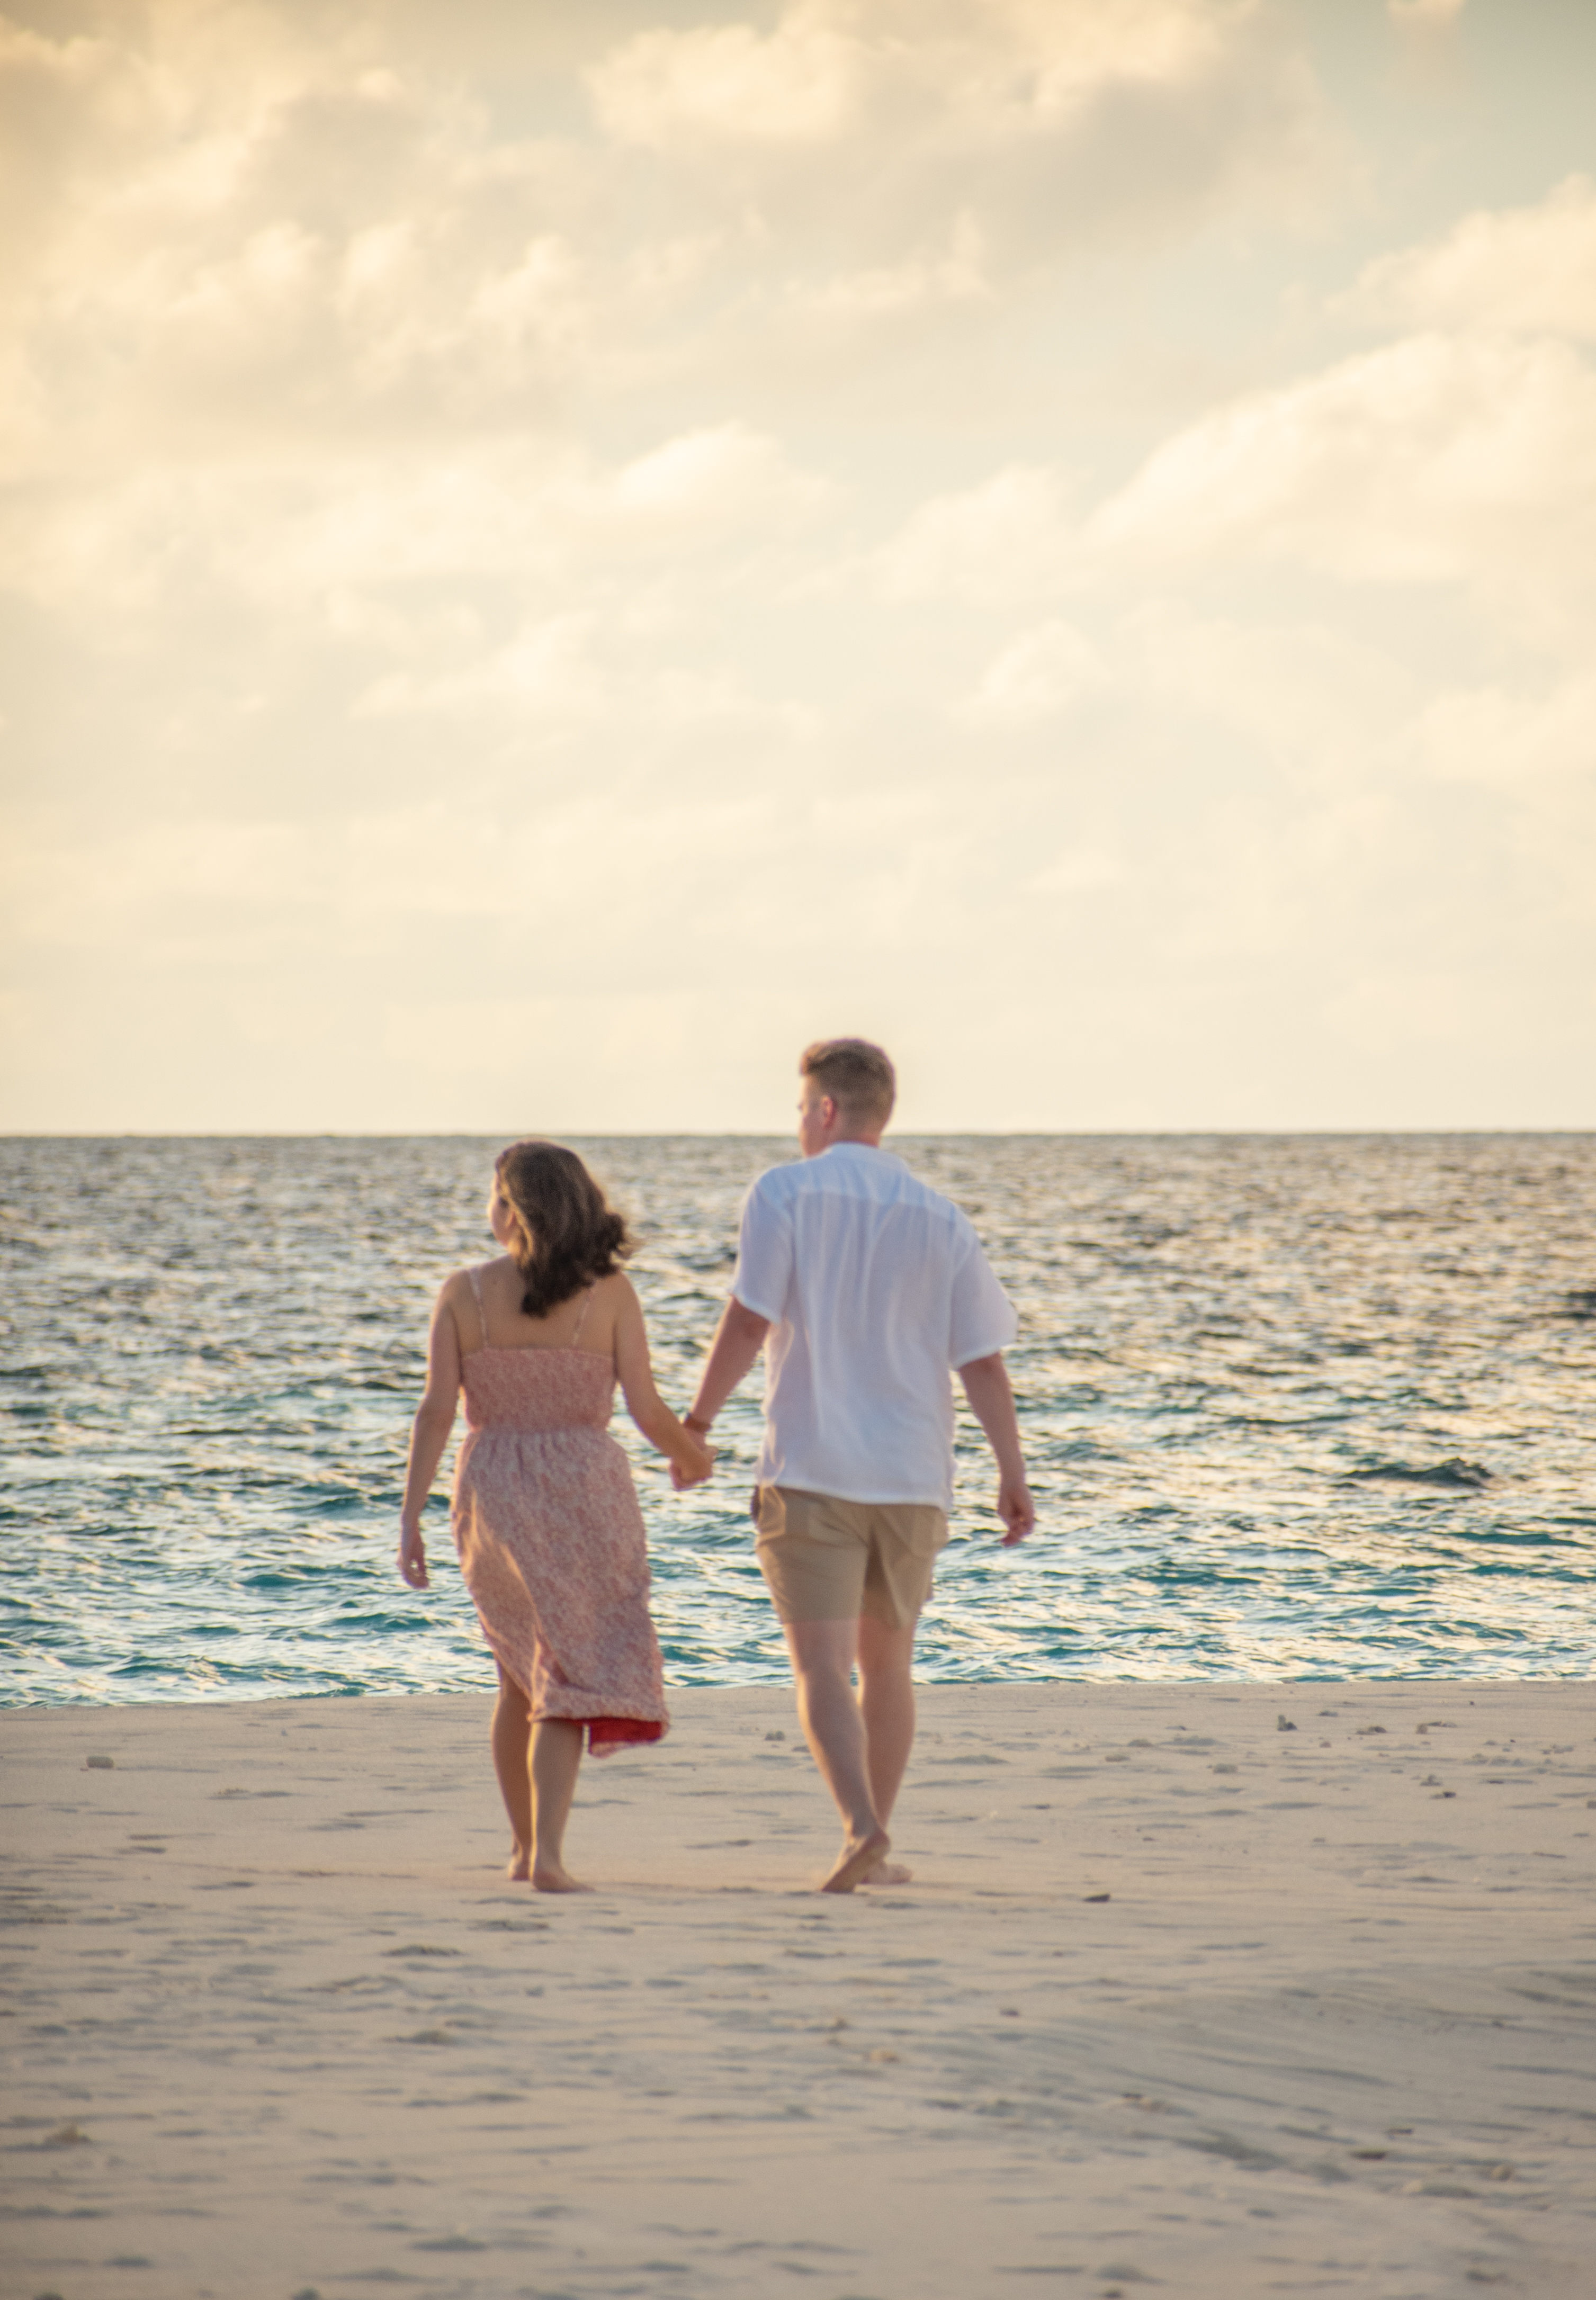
[(1049, 123), (301, 529), (214, 891), (670, 90), (1316, 701), (955, 275), (1077, 870), (545, 669), (976, 72), (1537, 746), (230, 862), (1009, 538), (1037, 676), (245, 230), (1527, 270), (246, 225), (1464, 454), (571, 671), (713, 482), (438, 481), (1432, 1006), (1434, 460), (1424, 13)]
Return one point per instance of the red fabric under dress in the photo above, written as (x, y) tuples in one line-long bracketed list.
[(552, 1544)]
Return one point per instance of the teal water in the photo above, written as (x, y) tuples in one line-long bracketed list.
[(1295, 1406)]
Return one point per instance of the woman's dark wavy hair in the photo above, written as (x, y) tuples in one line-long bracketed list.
[(574, 1237)]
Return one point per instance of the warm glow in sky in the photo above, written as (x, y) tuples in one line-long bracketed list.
[(555, 550)]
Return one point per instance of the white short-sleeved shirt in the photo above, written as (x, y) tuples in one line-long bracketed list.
[(876, 1287)]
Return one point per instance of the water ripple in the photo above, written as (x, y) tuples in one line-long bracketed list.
[(1295, 1407)]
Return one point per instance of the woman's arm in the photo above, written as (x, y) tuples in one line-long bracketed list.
[(429, 1435), (690, 1460)]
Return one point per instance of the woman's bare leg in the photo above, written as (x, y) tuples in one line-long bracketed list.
[(512, 1738), (556, 1756)]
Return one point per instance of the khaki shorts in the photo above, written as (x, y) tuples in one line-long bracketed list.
[(825, 1559)]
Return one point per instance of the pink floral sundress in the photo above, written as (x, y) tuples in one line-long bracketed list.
[(551, 1539)]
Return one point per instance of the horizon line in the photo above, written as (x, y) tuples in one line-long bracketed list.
[(757, 1134)]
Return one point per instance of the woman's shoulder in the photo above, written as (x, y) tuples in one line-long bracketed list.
[(461, 1285), (611, 1304)]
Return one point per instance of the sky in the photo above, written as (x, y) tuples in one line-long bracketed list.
[(553, 551)]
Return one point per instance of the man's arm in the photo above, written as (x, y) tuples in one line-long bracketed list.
[(739, 1339), (991, 1402)]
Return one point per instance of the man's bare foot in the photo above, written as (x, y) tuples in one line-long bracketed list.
[(860, 1855), (550, 1877), (888, 1872), (521, 1866)]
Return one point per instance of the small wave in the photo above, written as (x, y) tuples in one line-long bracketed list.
[(199, 1480), (1456, 1473)]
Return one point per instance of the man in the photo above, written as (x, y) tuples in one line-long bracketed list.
[(866, 1288)]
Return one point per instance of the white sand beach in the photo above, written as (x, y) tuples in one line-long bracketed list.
[(1178, 1999)]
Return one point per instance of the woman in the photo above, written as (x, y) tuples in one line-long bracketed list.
[(546, 1516)]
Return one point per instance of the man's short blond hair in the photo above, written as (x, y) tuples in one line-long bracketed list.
[(858, 1077)]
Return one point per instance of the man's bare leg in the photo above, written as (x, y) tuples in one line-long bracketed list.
[(556, 1756), (512, 1735), (887, 1706), (823, 1660)]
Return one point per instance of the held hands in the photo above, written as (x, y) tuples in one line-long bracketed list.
[(412, 1557), (692, 1462)]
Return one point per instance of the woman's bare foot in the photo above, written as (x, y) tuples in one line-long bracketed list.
[(521, 1866), (551, 1877), (859, 1856), (889, 1872)]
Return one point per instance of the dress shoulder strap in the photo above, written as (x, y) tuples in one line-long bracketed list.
[(475, 1275), (581, 1318)]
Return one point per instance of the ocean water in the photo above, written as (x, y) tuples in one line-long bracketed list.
[(1295, 1407)]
